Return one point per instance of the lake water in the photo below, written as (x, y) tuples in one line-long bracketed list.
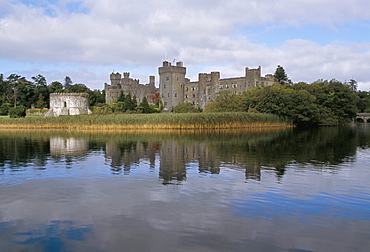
[(259, 190)]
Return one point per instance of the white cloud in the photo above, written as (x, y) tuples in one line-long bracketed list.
[(131, 34)]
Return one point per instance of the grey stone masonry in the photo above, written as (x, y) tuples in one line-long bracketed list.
[(68, 104)]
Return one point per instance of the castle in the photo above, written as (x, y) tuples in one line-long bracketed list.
[(175, 88), (68, 104)]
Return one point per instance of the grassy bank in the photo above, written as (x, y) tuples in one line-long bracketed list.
[(147, 121)]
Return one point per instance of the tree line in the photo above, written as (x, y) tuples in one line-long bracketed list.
[(16, 90)]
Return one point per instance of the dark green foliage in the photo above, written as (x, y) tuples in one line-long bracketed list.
[(225, 101), (298, 106), (56, 87), (121, 97), (4, 108), (186, 107), (322, 102), (130, 103), (280, 75), (41, 103), (67, 82), (121, 107), (96, 97), (16, 90), (144, 106), (77, 88), (17, 112), (363, 101)]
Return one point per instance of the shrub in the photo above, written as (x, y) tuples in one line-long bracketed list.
[(186, 108), (17, 112), (4, 109)]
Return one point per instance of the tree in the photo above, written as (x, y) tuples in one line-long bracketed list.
[(41, 102), (280, 75), (121, 97), (186, 107), (353, 85), (39, 80), (55, 87), (144, 106), (67, 82), (225, 101), (298, 106), (77, 88), (40, 90)]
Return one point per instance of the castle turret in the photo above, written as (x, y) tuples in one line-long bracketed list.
[(253, 77), (115, 78), (172, 84), (151, 80)]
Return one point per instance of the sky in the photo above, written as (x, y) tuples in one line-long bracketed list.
[(88, 39)]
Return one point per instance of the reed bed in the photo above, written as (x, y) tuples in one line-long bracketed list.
[(148, 121)]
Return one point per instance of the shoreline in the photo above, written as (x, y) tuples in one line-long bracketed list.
[(133, 122)]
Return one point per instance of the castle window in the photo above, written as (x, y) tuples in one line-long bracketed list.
[(167, 78), (220, 86), (177, 78), (226, 86), (193, 95), (186, 96), (164, 86), (186, 89), (175, 94), (65, 104)]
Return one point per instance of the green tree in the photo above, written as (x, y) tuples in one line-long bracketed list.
[(186, 107), (353, 85), (67, 82), (23, 90), (280, 75), (40, 90), (296, 105), (96, 97), (77, 88), (56, 87), (225, 101), (4, 108), (41, 103), (17, 112), (121, 97), (121, 107), (144, 106), (337, 99), (363, 102)]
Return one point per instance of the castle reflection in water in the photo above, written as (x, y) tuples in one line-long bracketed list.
[(173, 159)]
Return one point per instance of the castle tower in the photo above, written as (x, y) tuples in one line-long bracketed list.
[(253, 77), (115, 78), (172, 84)]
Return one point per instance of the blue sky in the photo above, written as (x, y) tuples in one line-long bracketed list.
[(87, 39)]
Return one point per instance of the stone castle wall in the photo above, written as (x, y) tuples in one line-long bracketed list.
[(129, 86), (175, 88), (69, 104)]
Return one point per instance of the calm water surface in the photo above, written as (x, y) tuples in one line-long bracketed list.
[(281, 190)]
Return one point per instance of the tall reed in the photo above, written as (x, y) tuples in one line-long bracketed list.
[(148, 121)]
